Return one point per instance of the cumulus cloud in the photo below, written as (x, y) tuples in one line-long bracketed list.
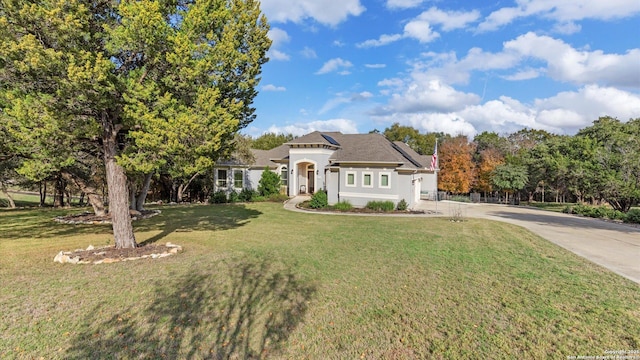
[(334, 65), (583, 67), (563, 12), (326, 12), (271, 87), (420, 27), (278, 38), (344, 126)]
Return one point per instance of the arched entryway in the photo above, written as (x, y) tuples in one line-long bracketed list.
[(306, 177)]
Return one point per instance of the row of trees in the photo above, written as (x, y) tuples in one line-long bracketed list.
[(601, 163), (119, 91)]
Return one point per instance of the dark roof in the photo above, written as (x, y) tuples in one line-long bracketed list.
[(349, 148), (265, 157)]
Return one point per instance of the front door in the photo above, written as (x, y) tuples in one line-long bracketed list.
[(310, 181)]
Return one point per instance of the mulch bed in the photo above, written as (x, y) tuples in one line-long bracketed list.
[(110, 252)]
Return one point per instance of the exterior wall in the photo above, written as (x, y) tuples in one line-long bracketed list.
[(359, 194), (429, 183), (298, 158), (333, 180)]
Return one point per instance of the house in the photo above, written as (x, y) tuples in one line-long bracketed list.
[(357, 168)]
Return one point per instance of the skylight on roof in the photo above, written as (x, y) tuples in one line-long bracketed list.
[(331, 140)]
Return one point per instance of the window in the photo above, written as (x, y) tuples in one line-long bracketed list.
[(351, 178), (238, 179), (367, 180), (222, 178), (284, 176), (385, 180)]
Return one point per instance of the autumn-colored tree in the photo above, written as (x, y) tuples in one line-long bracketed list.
[(456, 165), (490, 158)]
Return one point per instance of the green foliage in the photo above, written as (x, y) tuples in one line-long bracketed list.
[(402, 205), (271, 198), (598, 212), (270, 141), (246, 195), (385, 206), (319, 200), (344, 205), (423, 144), (460, 198), (233, 196), (510, 178), (269, 183), (218, 197), (633, 216)]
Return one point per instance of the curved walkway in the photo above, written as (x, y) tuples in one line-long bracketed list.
[(611, 245)]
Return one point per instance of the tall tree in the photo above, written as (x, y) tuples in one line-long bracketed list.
[(423, 144), (510, 178), (268, 141), (457, 170), (490, 158), (154, 83)]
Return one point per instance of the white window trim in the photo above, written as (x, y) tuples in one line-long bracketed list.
[(355, 179), (225, 179), (233, 172), (370, 177), (388, 186)]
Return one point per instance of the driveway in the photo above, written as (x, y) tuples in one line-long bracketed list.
[(613, 246)]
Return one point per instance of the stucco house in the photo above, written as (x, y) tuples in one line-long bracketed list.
[(350, 167)]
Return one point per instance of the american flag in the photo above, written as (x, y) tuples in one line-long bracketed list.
[(434, 158)]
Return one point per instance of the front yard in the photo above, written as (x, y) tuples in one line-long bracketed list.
[(260, 282)]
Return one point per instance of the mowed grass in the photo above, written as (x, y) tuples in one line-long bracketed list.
[(256, 281)]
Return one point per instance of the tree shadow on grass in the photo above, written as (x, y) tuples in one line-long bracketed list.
[(38, 223), (241, 308)]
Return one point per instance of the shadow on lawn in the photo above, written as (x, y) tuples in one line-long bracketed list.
[(39, 223), (242, 308)]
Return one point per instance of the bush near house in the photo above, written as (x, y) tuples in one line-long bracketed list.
[(319, 200), (402, 205), (218, 197), (246, 195), (269, 183), (385, 206), (343, 206)]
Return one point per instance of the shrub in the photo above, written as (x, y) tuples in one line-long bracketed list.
[(269, 183), (343, 206), (218, 197), (233, 196), (380, 205), (460, 198), (402, 205), (319, 200), (633, 216), (568, 209), (246, 195)]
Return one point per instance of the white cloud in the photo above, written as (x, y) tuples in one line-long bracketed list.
[(365, 95), (420, 30), (309, 53), (271, 87), (278, 38), (526, 74), (326, 12), (344, 126), (449, 20), (335, 65), (403, 4), (338, 43), (567, 28), (561, 11), (425, 94), (375, 66), (342, 98), (384, 39), (583, 67)]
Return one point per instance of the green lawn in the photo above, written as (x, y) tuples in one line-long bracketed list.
[(257, 281)]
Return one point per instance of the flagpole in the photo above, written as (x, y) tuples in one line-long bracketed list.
[(435, 172)]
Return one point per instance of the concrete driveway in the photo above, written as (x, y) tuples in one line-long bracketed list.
[(611, 245)]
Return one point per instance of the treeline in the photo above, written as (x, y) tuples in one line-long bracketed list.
[(599, 164)]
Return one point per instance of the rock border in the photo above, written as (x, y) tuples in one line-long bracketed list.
[(65, 257)]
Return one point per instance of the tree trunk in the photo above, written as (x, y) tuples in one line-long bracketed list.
[(58, 197), (132, 196), (142, 197), (3, 188), (183, 187), (43, 193), (92, 193), (118, 194)]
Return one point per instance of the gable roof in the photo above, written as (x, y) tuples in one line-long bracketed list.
[(266, 157)]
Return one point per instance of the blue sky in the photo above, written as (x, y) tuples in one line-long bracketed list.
[(460, 67)]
